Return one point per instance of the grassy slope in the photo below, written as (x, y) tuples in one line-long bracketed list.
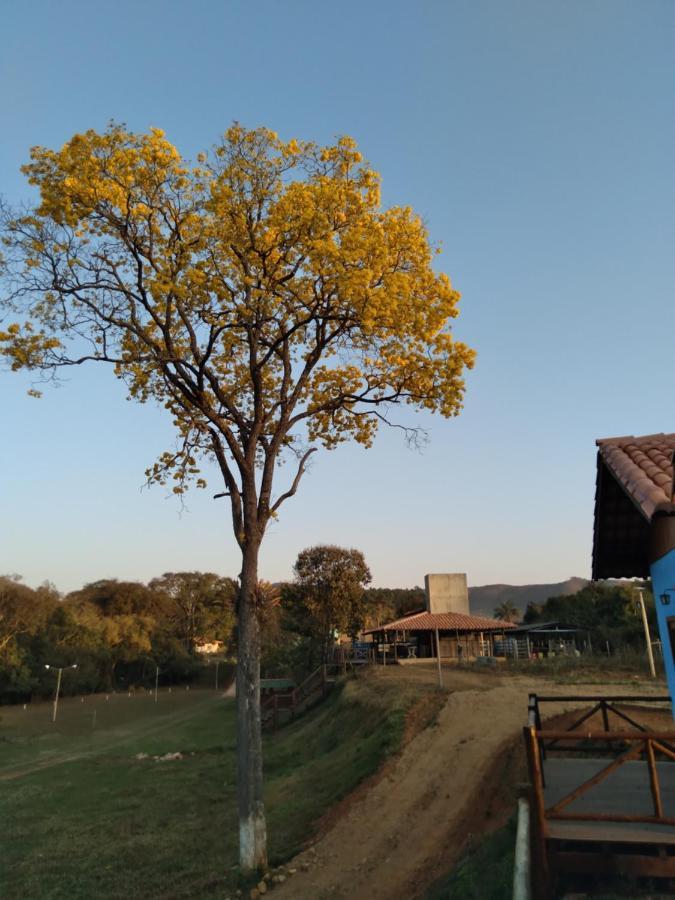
[(108, 826), (484, 874)]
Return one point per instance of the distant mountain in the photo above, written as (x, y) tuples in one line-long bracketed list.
[(484, 599)]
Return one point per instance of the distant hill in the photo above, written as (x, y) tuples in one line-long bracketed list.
[(483, 599)]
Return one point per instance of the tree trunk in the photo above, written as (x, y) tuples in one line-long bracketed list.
[(252, 828)]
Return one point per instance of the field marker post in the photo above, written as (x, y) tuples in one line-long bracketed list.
[(58, 686), (438, 660), (156, 681), (56, 696)]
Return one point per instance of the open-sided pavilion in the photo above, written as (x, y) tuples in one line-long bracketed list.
[(459, 636)]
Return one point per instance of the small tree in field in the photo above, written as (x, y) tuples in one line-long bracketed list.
[(329, 590), (262, 296)]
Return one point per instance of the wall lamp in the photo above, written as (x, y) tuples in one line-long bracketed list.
[(665, 598)]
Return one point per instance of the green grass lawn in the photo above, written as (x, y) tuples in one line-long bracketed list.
[(484, 874), (83, 818)]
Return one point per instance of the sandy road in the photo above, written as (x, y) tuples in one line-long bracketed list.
[(415, 822)]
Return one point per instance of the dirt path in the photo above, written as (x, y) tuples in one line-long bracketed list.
[(414, 822)]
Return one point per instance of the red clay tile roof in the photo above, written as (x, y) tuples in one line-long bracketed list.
[(643, 466), (426, 621)]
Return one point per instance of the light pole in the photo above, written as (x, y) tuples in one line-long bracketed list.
[(58, 685), (648, 637)]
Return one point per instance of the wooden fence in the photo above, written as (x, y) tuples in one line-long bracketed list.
[(635, 745), (283, 707)]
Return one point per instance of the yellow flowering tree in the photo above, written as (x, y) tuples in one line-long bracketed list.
[(261, 295)]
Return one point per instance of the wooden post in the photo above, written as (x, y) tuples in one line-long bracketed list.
[(438, 660), (654, 780), (540, 830), (605, 717), (532, 709)]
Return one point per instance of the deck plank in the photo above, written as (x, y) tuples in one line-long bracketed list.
[(624, 791)]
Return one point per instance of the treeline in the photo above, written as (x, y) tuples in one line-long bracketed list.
[(119, 632), (386, 604), (609, 613), (116, 632)]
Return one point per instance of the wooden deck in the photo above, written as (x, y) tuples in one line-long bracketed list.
[(624, 791), (602, 793)]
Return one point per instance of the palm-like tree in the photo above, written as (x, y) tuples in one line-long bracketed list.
[(507, 611)]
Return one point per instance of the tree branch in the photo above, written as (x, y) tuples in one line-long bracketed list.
[(296, 481)]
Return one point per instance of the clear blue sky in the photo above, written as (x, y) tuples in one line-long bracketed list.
[(536, 138)]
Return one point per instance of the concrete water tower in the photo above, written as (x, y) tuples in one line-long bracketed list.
[(447, 593)]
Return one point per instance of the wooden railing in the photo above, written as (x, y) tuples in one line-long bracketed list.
[(634, 745), (644, 744), (606, 706), (285, 706)]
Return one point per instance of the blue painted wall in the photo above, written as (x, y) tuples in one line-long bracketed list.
[(663, 581)]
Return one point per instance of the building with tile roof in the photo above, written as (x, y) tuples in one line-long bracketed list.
[(634, 527), (446, 618)]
